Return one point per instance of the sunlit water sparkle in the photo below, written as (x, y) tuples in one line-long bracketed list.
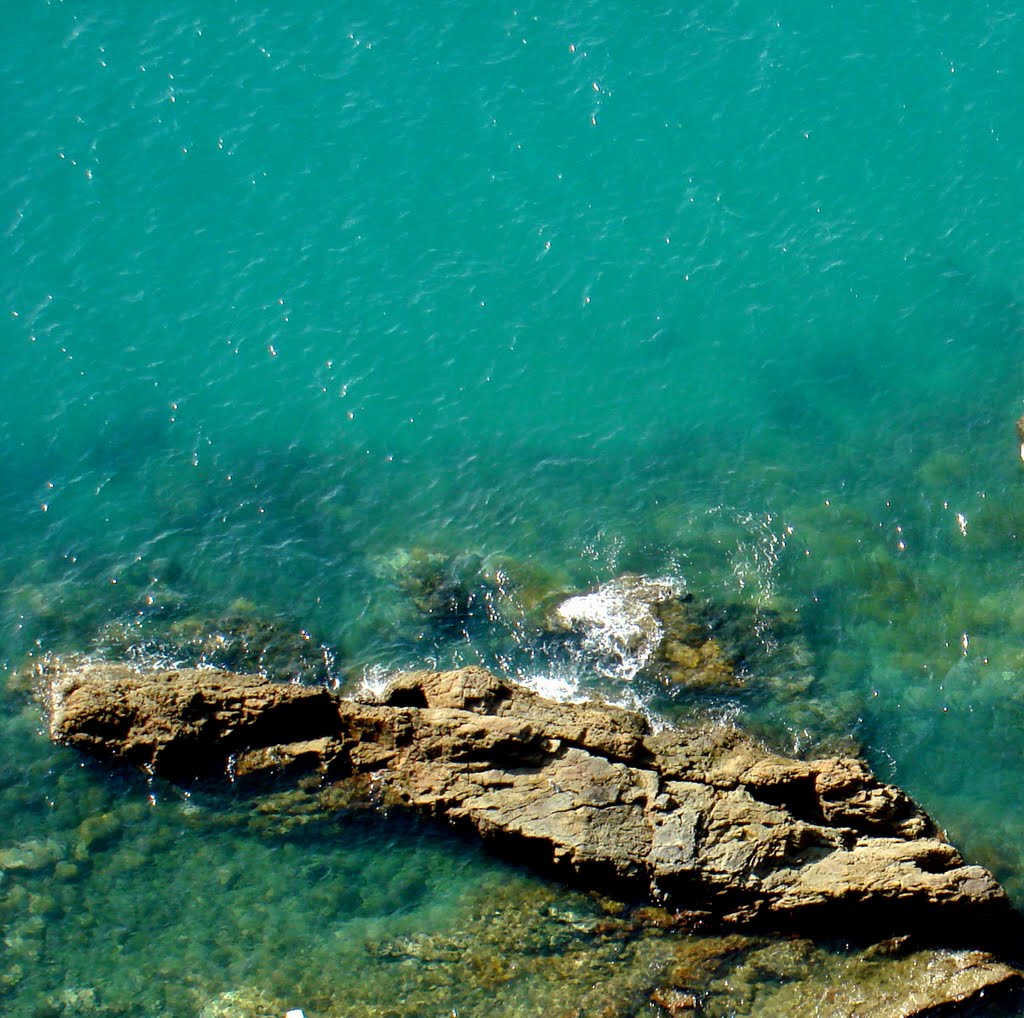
[(721, 295)]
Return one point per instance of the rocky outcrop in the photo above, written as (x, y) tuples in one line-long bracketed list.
[(704, 819)]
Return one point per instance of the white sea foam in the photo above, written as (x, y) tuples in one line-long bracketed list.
[(618, 623), (560, 680), (375, 679)]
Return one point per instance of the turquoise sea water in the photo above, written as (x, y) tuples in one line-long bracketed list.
[(721, 292)]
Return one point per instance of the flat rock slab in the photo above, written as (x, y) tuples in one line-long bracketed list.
[(704, 819)]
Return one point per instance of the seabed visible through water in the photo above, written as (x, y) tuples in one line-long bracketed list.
[(295, 304)]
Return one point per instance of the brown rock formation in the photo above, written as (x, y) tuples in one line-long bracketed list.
[(705, 819)]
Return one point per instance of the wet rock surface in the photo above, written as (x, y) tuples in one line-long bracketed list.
[(704, 819)]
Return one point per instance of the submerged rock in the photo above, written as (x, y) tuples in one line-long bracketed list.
[(245, 1002), (449, 589), (453, 592), (634, 625), (240, 641), (790, 979), (704, 819), (34, 854)]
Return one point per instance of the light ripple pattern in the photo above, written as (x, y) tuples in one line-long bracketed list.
[(375, 329)]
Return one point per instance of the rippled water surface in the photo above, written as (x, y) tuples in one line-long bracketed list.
[(294, 301)]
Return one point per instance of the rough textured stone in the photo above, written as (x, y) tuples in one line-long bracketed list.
[(704, 819), (185, 723)]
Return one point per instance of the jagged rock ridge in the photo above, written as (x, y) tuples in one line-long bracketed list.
[(704, 819)]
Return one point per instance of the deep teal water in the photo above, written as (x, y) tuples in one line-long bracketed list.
[(721, 292)]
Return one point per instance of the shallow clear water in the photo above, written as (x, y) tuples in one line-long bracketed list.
[(715, 293)]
